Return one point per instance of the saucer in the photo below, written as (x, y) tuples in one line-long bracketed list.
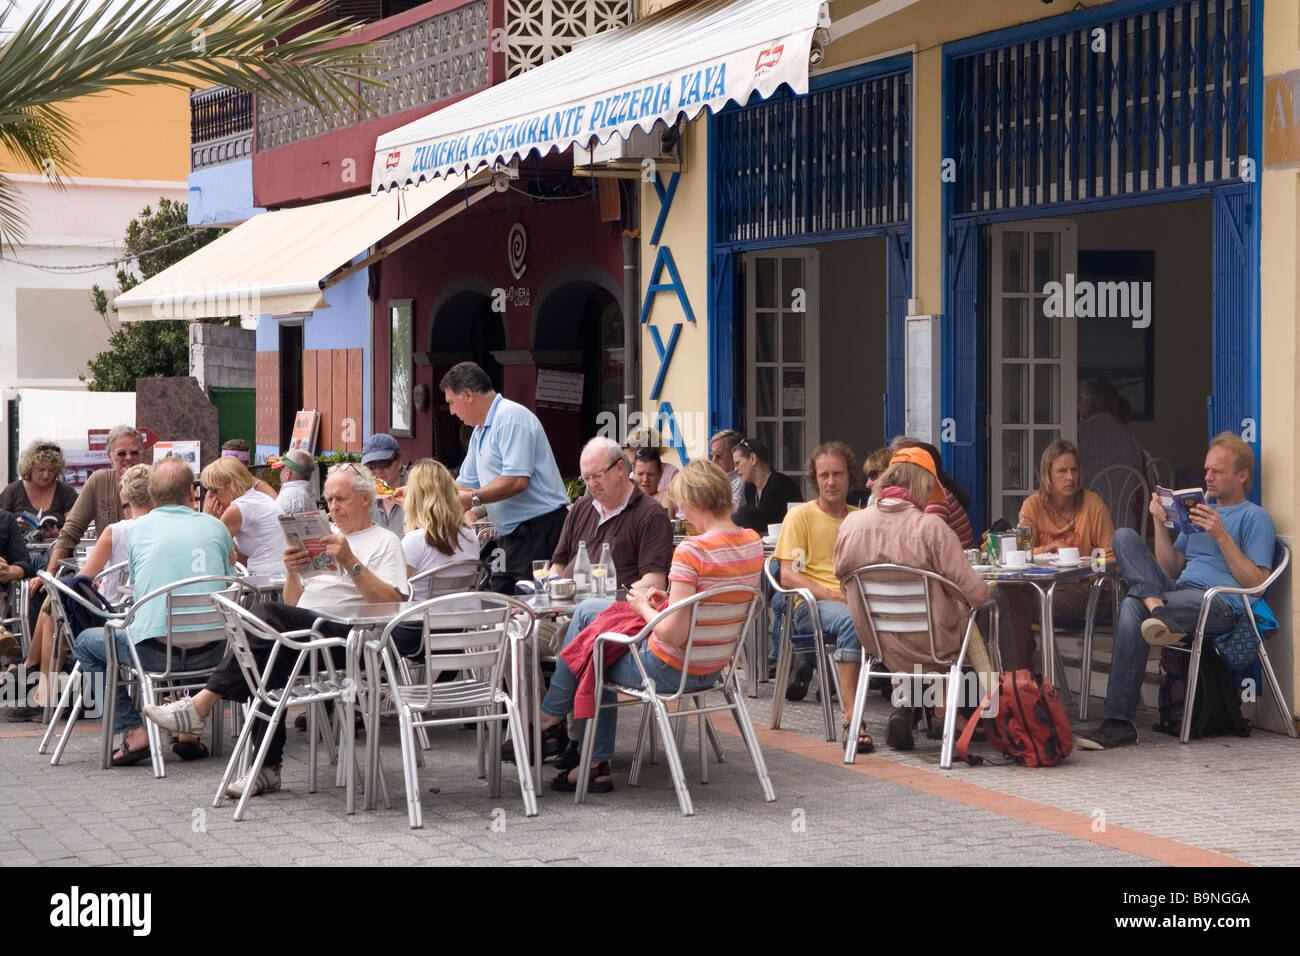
[(1056, 563)]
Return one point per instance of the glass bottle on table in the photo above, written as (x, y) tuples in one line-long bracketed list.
[(582, 572), (604, 575)]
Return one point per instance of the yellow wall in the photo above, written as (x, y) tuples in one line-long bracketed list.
[(686, 235), (1279, 309), (140, 133)]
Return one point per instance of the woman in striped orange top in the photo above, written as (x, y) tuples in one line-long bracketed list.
[(721, 555)]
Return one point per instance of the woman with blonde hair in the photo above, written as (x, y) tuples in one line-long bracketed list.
[(721, 555), (436, 533), (251, 517)]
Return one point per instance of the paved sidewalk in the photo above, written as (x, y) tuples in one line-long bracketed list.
[(1215, 802)]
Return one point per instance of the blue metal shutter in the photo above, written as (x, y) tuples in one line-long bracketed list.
[(1236, 336), (898, 289), (723, 359), (963, 399)]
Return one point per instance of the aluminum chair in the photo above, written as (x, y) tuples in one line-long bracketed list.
[(1281, 558), (827, 672), (63, 637), (192, 621), (897, 600), (468, 574), (725, 625), (1125, 491), (313, 680), (480, 644)]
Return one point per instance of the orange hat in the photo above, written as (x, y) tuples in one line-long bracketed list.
[(919, 456)]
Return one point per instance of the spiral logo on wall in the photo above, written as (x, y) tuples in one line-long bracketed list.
[(517, 247)]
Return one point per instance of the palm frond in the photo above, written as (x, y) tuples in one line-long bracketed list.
[(59, 53)]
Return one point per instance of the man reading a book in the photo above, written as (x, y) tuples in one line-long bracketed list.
[(1233, 546)]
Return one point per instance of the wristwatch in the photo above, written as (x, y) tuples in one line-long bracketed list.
[(356, 569), (475, 501)]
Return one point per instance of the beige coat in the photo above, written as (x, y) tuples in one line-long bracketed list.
[(895, 532)]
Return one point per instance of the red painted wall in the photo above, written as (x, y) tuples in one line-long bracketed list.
[(473, 245)]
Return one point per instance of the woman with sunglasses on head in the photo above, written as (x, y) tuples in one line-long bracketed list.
[(250, 516), (768, 493), (99, 501)]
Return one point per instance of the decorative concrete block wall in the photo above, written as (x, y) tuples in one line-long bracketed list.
[(223, 356)]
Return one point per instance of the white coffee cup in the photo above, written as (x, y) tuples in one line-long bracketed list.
[(774, 531), (1017, 559), (1067, 555)]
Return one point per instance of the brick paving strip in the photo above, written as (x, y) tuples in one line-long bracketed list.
[(1160, 849)]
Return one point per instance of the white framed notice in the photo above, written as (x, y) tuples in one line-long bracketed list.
[(923, 386)]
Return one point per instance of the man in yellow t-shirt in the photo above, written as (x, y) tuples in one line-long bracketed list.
[(806, 550)]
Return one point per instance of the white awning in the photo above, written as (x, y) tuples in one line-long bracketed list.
[(671, 64), (283, 261)]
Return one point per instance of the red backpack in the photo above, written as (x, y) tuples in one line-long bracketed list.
[(1030, 725)]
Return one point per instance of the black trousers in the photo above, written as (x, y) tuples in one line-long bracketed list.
[(533, 540), (228, 679)]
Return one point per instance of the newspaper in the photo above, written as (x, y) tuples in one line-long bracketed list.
[(307, 531)]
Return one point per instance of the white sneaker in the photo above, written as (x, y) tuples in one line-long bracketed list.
[(180, 716), (268, 779)]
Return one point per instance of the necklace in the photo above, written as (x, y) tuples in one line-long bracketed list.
[(1061, 519)]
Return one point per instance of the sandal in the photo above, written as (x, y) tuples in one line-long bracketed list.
[(554, 739), (865, 744), (189, 750), (563, 784), (128, 758)]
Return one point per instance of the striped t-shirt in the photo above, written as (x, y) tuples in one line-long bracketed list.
[(715, 559), (954, 516)]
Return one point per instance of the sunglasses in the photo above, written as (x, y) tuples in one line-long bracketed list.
[(124, 453)]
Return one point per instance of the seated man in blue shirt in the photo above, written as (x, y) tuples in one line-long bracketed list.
[(1165, 590), (169, 544)]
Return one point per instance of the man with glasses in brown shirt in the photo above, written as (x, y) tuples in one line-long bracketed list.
[(99, 500)]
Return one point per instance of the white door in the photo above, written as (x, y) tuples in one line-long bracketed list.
[(782, 380), (1033, 364)]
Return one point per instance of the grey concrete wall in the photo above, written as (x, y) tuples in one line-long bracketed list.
[(222, 356)]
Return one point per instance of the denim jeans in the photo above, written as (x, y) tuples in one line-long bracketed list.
[(837, 626), (564, 686), (1145, 578), (91, 651)]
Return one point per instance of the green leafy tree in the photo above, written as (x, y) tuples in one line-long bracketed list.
[(58, 53), (154, 241)]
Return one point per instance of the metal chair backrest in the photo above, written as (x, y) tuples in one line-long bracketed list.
[(192, 619), (460, 639), (719, 618), (1125, 492), (467, 574), (898, 600)]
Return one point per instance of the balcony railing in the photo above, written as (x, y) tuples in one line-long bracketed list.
[(447, 55), (434, 59), (221, 126)]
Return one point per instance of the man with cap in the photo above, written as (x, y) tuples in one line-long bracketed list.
[(383, 456), (295, 483), (806, 550), (897, 529), (509, 467)]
